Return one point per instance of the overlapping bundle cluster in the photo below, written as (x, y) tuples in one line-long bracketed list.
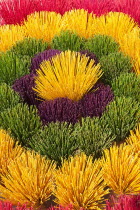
[(70, 104)]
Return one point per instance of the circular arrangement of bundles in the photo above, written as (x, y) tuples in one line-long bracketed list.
[(70, 104)]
